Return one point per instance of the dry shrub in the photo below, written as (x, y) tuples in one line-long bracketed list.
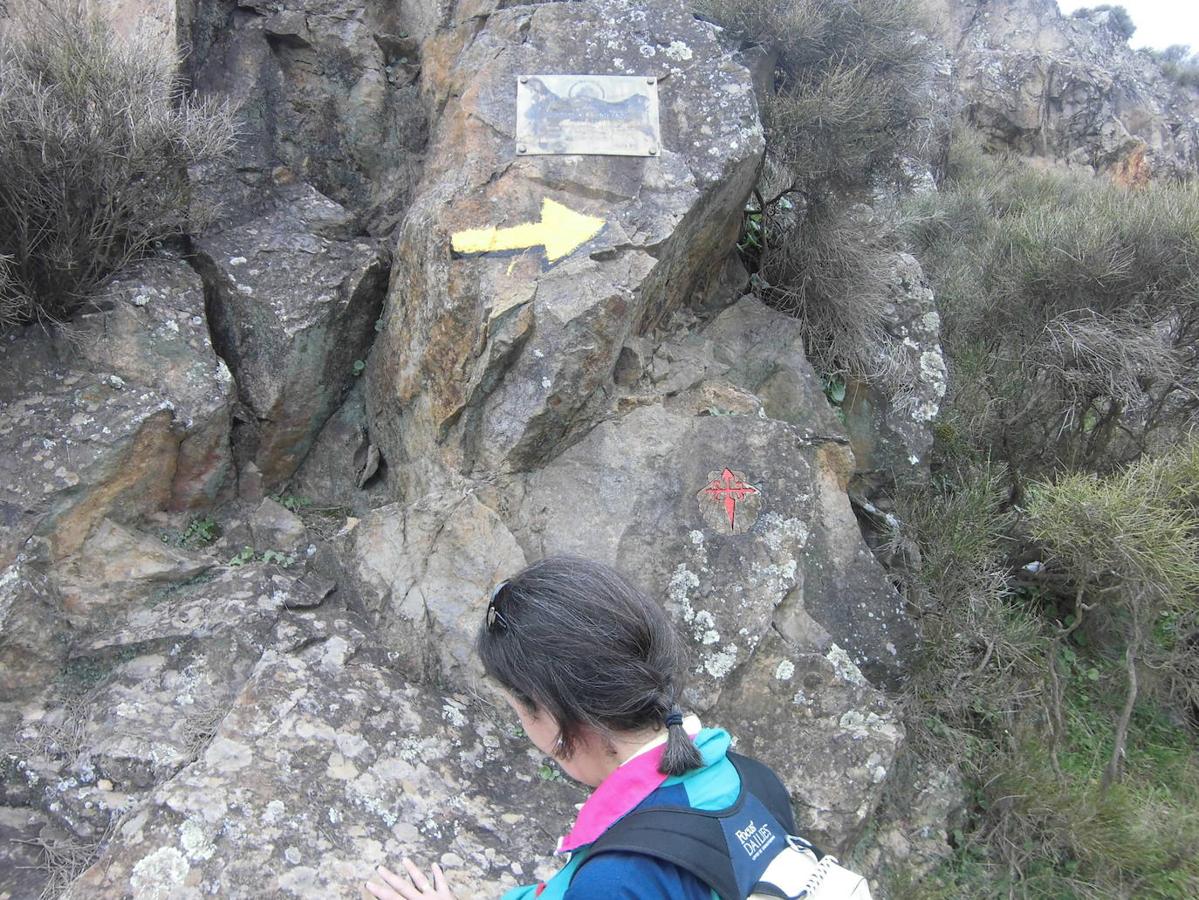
[(1069, 308), (831, 271), (850, 102), (1129, 545), (851, 79), (1010, 693), (984, 659), (96, 134)]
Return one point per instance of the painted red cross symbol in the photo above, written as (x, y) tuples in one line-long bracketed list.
[(730, 489)]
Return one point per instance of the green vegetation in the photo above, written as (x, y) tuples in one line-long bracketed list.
[(1178, 64), (1063, 690), (200, 532), (83, 673), (1118, 18), (95, 138), (1053, 563), (1069, 311)]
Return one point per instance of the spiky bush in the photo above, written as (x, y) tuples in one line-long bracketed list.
[(1069, 307), (849, 102), (96, 134), (1083, 782)]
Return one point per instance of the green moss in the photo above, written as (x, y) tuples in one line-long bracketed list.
[(83, 673)]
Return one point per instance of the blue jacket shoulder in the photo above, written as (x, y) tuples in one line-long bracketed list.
[(633, 876)]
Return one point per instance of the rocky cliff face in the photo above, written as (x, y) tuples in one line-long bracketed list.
[(207, 690), (1066, 87)]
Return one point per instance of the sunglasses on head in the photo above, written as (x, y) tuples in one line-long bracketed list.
[(494, 616)]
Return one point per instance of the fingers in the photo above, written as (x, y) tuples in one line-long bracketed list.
[(396, 889), (417, 876)]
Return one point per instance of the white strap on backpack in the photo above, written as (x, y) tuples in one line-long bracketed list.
[(797, 873)]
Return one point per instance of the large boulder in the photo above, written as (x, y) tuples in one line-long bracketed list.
[(294, 301), (652, 492), (424, 572), (124, 413), (327, 95), (326, 766), (495, 361)]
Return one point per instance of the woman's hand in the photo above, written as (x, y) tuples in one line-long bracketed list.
[(396, 887)]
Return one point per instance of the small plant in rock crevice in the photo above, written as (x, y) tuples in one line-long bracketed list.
[(200, 532)]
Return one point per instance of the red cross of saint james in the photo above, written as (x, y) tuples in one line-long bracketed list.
[(730, 489)]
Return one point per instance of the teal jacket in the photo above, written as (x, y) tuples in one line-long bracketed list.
[(637, 784)]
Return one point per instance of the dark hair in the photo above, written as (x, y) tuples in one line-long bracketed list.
[(574, 638)]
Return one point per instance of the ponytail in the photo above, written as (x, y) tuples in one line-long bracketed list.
[(681, 754), (578, 641)]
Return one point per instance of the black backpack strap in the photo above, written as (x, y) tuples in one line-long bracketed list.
[(698, 841), (760, 780), (690, 840)]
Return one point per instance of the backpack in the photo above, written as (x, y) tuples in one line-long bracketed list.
[(748, 850)]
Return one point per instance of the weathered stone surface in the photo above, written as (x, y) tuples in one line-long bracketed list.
[(21, 871), (891, 432), (297, 796), (154, 332), (33, 635), (829, 735), (293, 307), (116, 568), (327, 95), (910, 833), (344, 468), (627, 494), (740, 393), (495, 361), (124, 414), (141, 698), (425, 572), (1066, 87), (190, 653), (754, 349), (275, 527)]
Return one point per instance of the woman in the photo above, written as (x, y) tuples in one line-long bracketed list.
[(594, 670)]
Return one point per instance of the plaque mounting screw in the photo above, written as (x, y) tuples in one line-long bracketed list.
[(649, 81), (653, 151), (521, 148), (524, 79)]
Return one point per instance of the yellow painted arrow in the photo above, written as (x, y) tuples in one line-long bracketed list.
[(561, 231)]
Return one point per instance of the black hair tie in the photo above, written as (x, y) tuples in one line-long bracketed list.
[(674, 717)]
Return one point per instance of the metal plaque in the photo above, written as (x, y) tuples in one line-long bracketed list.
[(606, 115)]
